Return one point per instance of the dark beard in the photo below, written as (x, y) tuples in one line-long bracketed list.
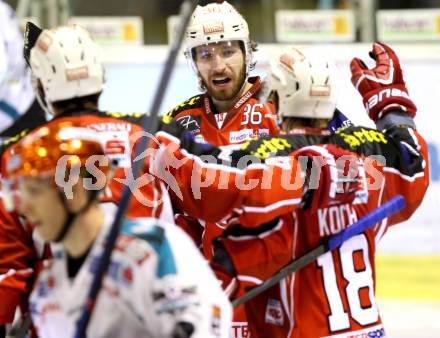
[(235, 91)]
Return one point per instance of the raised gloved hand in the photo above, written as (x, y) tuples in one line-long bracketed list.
[(382, 87)]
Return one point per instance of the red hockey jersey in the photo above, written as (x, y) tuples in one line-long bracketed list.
[(334, 296), (247, 119)]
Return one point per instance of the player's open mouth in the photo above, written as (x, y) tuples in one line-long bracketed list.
[(221, 82)]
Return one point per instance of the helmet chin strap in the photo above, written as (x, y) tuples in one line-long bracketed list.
[(71, 217)]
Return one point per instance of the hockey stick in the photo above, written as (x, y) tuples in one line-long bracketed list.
[(150, 124), (21, 330), (389, 208)]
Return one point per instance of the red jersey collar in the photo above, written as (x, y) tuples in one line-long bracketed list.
[(210, 107)]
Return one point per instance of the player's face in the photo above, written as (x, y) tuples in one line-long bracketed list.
[(222, 68), (40, 203)]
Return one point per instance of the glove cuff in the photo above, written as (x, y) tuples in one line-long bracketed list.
[(380, 101)]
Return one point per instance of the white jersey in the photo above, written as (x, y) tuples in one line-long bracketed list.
[(16, 92), (156, 279)]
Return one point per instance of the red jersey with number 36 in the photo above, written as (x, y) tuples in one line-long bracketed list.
[(248, 118), (334, 295)]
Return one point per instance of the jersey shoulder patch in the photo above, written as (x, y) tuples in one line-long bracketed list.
[(194, 102)]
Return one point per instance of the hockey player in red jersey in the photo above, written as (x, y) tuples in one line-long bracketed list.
[(66, 65), (220, 52), (279, 221), (228, 111)]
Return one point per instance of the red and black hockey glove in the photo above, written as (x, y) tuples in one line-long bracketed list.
[(382, 87)]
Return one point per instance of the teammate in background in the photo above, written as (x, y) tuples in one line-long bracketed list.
[(150, 289), (228, 111), (335, 296), (69, 79), (19, 109)]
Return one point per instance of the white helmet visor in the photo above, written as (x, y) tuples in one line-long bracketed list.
[(229, 54)]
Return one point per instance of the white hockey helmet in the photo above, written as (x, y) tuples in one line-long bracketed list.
[(217, 22), (67, 62), (306, 86)]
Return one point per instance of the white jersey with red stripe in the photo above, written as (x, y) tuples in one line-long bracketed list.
[(148, 290)]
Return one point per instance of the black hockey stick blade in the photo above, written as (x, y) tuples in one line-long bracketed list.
[(31, 34)]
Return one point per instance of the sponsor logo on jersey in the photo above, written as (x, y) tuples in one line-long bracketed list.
[(371, 332), (359, 137), (239, 330), (111, 126), (247, 134), (170, 297), (185, 104), (269, 147), (274, 313), (190, 123), (49, 307), (216, 320), (243, 99), (263, 132), (121, 273)]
